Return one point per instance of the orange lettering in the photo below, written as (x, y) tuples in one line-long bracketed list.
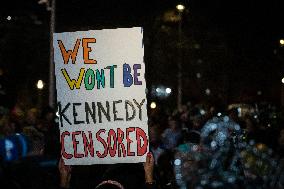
[(87, 50), (66, 54)]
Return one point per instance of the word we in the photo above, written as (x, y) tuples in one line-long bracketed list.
[(86, 50)]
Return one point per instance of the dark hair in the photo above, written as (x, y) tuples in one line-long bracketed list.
[(193, 137), (47, 110), (128, 175), (107, 186)]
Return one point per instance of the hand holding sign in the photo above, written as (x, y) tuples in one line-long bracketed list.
[(101, 96)]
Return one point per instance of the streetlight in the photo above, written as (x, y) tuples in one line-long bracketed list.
[(168, 90), (40, 84), (180, 9), (153, 105), (281, 41)]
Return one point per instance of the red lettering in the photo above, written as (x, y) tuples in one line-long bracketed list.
[(141, 150), (112, 150), (120, 145), (88, 145), (129, 141), (75, 143), (63, 152), (99, 138)]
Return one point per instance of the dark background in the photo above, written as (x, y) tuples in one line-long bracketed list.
[(234, 45)]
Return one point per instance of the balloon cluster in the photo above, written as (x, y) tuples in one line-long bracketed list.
[(224, 159)]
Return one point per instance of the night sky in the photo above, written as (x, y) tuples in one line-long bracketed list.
[(239, 42)]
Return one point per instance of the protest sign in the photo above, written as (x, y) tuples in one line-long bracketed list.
[(101, 96)]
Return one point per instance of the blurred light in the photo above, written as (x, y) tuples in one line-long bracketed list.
[(226, 119), (207, 91), (153, 105), (180, 7), (9, 18), (168, 90), (40, 2), (259, 92), (198, 75), (177, 162), (40, 84), (281, 41), (158, 90), (202, 112), (219, 114), (57, 114), (195, 147), (239, 112), (274, 51), (213, 144), (199, 61), (282, 80), (197, 46), (237, 127)]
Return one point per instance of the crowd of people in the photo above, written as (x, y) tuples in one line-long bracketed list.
[(198, 146)]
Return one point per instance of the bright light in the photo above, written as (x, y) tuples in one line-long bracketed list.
[(177, 162), (281, 41), (198, 75), (202, 112), (282, 80), (158, 90), (239, 112), (40, 84), (9, 18), (180, 7), (153, 105), (207, 91), (168, 90)]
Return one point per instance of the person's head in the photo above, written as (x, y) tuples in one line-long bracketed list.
[(193, 137), (125, 176), (173, 123), (36, 140), (32, 116), (109, 184), (48, 114), (7, 127), (249, 124), (233, 114), (281, 139)]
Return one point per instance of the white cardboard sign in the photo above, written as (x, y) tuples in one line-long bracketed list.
[(101, 96)]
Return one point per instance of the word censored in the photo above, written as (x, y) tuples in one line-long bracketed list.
[(119, 143)]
